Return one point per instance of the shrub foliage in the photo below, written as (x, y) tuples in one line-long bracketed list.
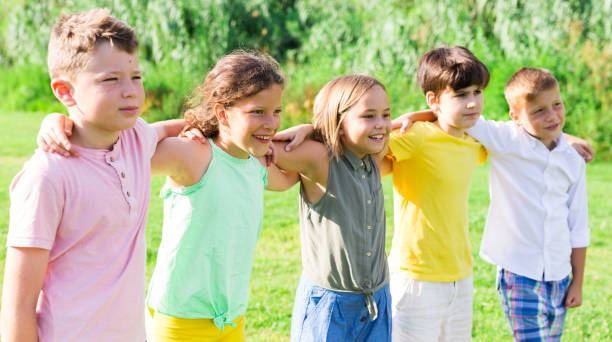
[(316, 40)]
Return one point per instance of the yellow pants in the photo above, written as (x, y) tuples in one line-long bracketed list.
[(174, 329)]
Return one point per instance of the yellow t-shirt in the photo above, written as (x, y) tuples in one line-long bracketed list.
[(432, 172)]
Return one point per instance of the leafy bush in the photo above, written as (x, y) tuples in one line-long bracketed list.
[(317, 40)]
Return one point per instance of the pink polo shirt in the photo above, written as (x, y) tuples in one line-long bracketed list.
[(90, 212)]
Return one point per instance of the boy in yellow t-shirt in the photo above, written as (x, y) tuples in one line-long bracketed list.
[(433, 164)]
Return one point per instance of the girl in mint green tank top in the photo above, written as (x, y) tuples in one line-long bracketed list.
[(213, 201)]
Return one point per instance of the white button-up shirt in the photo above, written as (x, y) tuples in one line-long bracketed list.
[(538, 209)]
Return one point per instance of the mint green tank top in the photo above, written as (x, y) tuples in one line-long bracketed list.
[(208, 240)]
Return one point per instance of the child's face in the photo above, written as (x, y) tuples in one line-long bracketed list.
[(108, 92), (251, 123), (543, 116), (457, 110), (365, 129)]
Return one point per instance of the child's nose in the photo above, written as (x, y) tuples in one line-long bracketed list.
[(379, 123), (550, 114), (129, 90), (272, 121)]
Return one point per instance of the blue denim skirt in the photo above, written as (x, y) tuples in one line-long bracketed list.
[(320, 314)]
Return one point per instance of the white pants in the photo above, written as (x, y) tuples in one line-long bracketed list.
[(426, 311)]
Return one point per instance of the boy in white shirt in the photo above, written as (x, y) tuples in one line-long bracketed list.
[(536, 229)]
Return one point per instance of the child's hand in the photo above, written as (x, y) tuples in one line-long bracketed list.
[(574, 296), (405, 121), (193, 134), (53, 135), (296, 135), (581, 146), (271, 155)]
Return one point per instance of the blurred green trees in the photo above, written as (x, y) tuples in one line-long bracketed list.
[(316, 40)]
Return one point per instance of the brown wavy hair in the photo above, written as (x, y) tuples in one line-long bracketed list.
[(235, 76)]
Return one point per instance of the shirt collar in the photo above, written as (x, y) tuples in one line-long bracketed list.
[(357, 163), (534, 142), (114, 152)]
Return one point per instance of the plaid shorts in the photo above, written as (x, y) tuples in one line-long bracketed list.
[(535, 309)]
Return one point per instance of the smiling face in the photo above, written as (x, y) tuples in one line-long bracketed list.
[(366, 125), (107, 95), (543, 116), (248, 125), (457, 110)]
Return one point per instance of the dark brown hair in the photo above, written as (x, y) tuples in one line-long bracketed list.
[(527, 83), (235, 76), (454, 67), (75, 37)]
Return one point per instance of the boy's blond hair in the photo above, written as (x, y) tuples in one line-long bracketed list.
[(527, 83), (332, 103), (75, 37)]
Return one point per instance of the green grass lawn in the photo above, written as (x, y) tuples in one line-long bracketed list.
[(277, 259)]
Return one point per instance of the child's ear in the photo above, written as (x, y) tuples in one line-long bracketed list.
[(221, 114), (62, 89), (515, 117), (433, 101)]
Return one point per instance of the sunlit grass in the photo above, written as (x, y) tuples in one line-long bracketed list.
[(278, 261)]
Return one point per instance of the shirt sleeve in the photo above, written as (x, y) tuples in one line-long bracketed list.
[(148, 135), (495, 136), (37, 203), (482, 155), (403, 146), (578, 212)]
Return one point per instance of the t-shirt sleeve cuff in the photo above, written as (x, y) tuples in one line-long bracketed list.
[(13, 241), (150, 135)]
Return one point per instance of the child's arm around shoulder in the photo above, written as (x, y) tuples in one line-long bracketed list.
[(310, 159), (584, 149), (168, 128), (56, 128), (184, 161), (24, 272), (495, 136), (278, 180)]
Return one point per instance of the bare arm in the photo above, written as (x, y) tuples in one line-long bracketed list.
[(574, 292), (306, 158), (24, 273), (168, 128), (294, 135), (405, 120), (311, 161), (279, 180), (56, 128), (184, 161)]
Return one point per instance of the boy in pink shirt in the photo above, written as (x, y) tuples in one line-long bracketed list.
[(75, 259)]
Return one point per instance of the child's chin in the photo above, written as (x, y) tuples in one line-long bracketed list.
[(258, 153)]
